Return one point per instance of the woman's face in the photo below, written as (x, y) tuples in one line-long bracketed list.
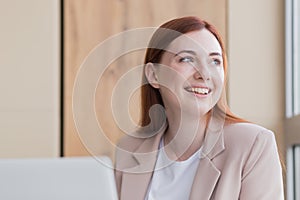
[(191, 75)]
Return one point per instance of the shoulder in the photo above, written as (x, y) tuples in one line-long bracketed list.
[(141, 138), (131, 147), (257, 148), (245, 127), (247, 136), (245, 132), (138, 143), (129, 143)]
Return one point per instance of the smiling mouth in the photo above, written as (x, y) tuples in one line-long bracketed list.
[(199, 90)]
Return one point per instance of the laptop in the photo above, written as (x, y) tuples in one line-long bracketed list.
[(80, 178)]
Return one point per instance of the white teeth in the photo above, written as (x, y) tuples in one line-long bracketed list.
[(200, 90)]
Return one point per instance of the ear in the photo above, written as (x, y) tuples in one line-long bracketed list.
[(151, 76)]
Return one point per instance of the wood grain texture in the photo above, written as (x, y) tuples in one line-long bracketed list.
[(89, 22)]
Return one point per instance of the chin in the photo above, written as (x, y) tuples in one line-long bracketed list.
[(198, 112)]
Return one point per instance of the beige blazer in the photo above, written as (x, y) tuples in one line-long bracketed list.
[(239, 162)]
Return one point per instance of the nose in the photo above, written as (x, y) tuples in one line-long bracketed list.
[(202, 73)]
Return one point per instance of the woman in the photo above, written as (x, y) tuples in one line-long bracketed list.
[(200, 150)]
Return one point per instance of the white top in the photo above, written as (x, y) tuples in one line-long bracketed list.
[(172, 179)]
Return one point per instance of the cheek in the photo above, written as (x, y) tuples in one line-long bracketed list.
[(185, 69), (177, 70), (171, 77), (169, 97), (219, 76)]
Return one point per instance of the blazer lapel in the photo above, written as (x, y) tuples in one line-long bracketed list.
[(134, 186), (207, 174), (135, 180), (205, 180)]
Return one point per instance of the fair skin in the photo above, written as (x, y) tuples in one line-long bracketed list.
[(190, 78)]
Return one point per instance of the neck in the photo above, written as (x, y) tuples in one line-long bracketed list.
[(184, 136)]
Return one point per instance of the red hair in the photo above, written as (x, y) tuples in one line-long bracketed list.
[(159, 41)]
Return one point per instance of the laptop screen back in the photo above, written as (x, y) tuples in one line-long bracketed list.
[(57, 178)]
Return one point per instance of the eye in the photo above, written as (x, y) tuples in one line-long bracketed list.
[(216, 61), (186, 59)]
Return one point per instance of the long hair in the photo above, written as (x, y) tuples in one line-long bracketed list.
[(159, 41)]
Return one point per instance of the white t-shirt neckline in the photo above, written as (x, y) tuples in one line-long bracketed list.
[(172, 179)]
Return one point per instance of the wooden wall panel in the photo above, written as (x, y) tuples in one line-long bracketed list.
[(88, 22)]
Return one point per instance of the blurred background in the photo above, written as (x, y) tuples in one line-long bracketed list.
[(44, 42)]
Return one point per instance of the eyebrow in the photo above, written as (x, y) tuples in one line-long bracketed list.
[(215, 54), (186, 51), (194, 53)]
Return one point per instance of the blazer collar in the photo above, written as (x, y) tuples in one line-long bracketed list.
[(214, 139), (145, 155)]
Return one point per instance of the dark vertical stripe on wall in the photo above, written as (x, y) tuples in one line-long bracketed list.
[(294, 172), (61, 78), (293, 57)]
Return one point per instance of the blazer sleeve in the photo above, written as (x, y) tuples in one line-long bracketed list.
[(262, 173)]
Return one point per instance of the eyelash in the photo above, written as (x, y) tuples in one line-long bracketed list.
[(189, 59), (216, 61), (186, 59)]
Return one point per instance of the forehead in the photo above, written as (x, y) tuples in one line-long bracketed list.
[(201, 41)]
